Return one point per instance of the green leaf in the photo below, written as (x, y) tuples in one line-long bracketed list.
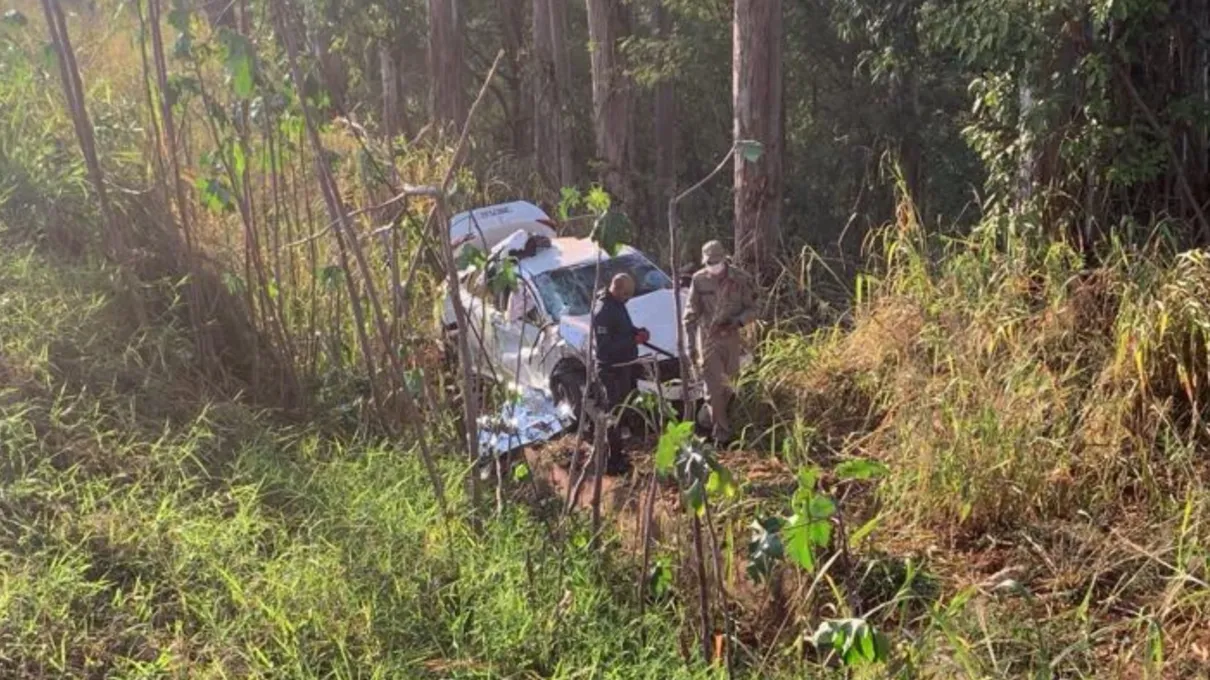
[(215, 195), (598, 200), (750, 149), (610, 231), (821, 507), (855, 640), (330, 276), (521, 473), (861, 468), (505, 276), (695, 495), (14, 17), (797, 539), (807, 477), (819, 533), (471, 257), (569, 199), (239, 58), (765, 548), (239, 161), (659, 579), (234, 284), (674, 437), (721, 482)]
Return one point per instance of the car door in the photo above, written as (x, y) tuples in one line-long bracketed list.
[(518, 330), (481, 339)]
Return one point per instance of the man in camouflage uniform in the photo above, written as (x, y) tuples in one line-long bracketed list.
[(722, 299)]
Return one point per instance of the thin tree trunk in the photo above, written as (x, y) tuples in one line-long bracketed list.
[(665, 129), (392, 103), (612, 94), (447, 104), (178, 193), (552, 135), (512, 22), (757, 92), (562, 62), (73, 91)]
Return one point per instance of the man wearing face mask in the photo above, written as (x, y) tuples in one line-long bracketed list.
[(617, 347), (722, 299)]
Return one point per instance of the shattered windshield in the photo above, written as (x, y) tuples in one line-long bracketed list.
[(569, 291)]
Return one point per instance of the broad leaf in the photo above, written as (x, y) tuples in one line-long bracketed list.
[(765, 548), (854, 640), (504, 276), (721, 482), (821, 507), (861, 468), (215, 195), (471, 257), (659, 579), (797, 539), (569, 199), (610, 231), (674, 437), (819, 533)]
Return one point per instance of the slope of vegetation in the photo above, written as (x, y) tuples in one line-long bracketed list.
[(151, 532), (232, 446)]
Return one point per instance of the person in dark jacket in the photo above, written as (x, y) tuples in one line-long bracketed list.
[(617, 347)]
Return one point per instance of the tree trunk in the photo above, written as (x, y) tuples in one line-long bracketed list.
[(665, 129), (392, 102), (759, 116), (447, 105), (545, 127), (608, 22), (512, 23), (562, 60)]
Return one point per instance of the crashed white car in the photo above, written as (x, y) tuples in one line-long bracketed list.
[(536, 336)]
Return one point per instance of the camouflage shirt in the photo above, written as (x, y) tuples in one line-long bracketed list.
[(714, 300)]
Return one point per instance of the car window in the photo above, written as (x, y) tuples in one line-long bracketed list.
[(569, 291)]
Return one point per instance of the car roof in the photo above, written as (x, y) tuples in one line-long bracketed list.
[(566, 252)]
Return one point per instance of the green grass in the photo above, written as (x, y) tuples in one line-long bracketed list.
[(149, 534)]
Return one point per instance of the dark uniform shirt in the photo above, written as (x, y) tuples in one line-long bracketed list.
[(614, 332)]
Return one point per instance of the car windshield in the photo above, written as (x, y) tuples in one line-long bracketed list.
[(569, 291)]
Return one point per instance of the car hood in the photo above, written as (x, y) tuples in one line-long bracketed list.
[(654, 311)]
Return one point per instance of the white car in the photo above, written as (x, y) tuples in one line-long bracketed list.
[(536, 336)]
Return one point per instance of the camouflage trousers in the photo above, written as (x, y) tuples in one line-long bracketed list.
[(720, 355)]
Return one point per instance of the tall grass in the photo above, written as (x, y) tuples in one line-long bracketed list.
[(1041, 419)]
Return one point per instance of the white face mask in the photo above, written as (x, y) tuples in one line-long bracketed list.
[(716, 269)]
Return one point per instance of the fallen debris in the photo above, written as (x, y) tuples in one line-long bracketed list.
[(529, 417)]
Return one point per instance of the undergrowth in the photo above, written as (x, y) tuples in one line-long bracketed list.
[(1044, 423), (148, 531)]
